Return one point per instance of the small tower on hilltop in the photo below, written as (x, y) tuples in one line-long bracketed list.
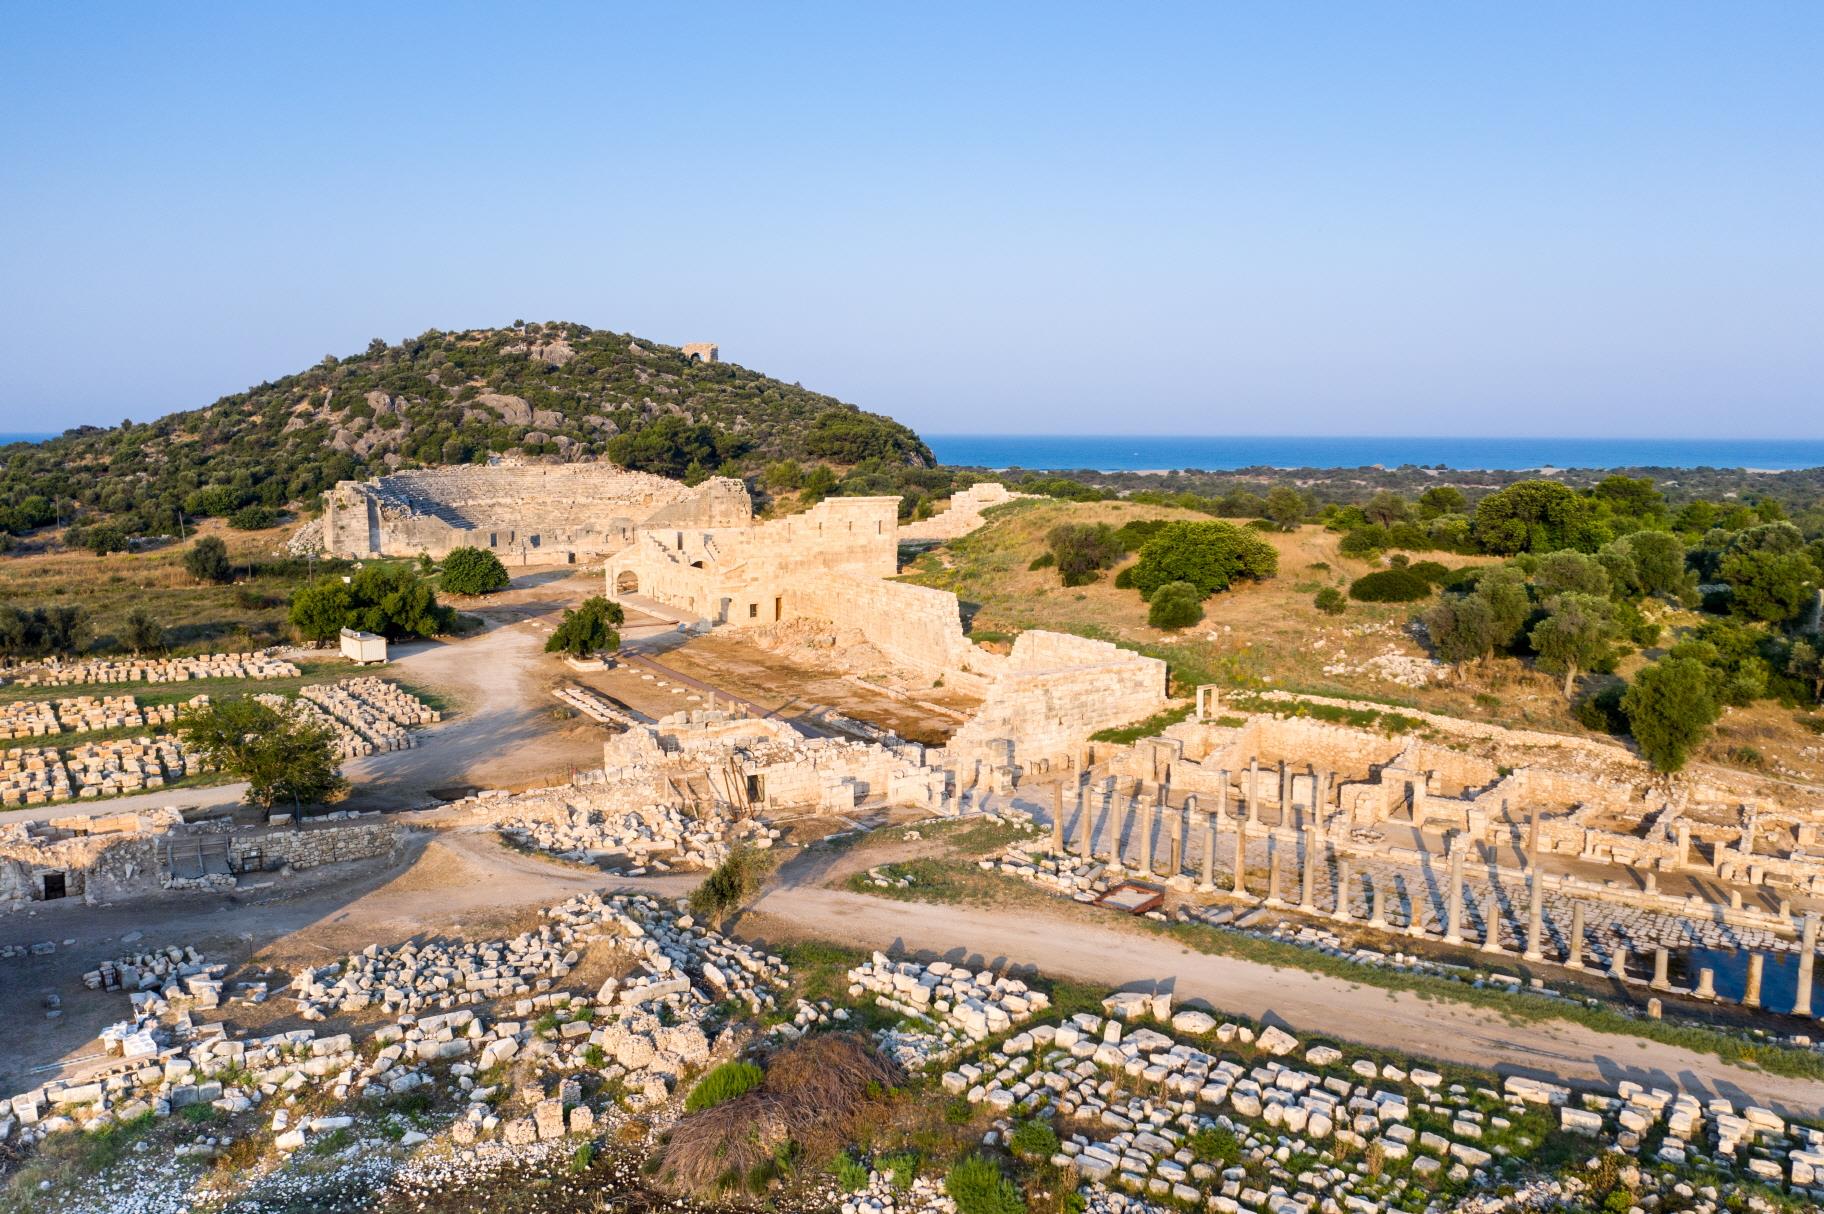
[(702, 352)]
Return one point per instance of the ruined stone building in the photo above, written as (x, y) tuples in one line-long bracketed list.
[(836, 563), (533, 514)]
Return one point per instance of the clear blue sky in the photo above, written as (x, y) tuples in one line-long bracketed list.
[(1577, 219)]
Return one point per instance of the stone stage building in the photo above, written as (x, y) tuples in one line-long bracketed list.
[(526, 514)]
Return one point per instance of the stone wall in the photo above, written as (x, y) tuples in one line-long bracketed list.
[(314, 846), (916, 626), (1054, 691), (962, 515), (741, 575), (525, 514)]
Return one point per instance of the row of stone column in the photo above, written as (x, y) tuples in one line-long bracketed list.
[(1120, 817)]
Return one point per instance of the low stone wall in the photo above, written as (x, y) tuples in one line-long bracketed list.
[(312, 847)]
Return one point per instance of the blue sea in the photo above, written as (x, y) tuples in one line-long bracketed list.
[(1214, 453), (23, 438)]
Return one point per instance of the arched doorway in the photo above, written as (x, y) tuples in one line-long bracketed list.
[(627, 582)]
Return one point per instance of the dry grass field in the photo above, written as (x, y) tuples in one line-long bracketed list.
[(245, 614), (1258, 634)]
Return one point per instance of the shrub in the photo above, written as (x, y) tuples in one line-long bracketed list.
[(1670, 707), (820, 1093), (851, 1174), (1601, 710), (1133, 534), (1215, 1146), (1390, 586), (1083, 550), (1363, 541), (1175, 605), (253, 518), (1124, 580), (142, 633), (1209, 556), (207, 560), (588, 629), (1431, 571), (976, 1185), (1034, 1140), (1043, 561), (1330, 601), (728, 885), (473, 571), (725, 1082)]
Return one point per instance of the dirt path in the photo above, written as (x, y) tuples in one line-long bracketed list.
[(1068, 947), (501, 734)]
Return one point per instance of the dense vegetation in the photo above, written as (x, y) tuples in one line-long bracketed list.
[(555, 390), (392, 600)]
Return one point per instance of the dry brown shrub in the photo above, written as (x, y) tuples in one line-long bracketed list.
[(721, 1145), (819, 1092)]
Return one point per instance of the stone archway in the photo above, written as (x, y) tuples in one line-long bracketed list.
[(627, 582)]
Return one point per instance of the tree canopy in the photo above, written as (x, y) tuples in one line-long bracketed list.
[(1669, 706), (473, 571), (1208, 556), (590, 628), (284, 759)]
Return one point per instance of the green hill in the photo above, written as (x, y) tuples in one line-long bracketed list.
[(556, 390)]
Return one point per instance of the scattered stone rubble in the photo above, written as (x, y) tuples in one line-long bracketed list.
[(646, 1029), (958, 1005), (1149, 1090), (646, 838), (260, 665)]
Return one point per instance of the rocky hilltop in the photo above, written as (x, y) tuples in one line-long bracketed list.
[(554, 391)]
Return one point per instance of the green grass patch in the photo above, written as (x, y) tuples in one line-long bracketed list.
[(726, 1082), (1155, 724)]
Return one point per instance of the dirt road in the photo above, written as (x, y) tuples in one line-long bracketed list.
[(1067, 947)]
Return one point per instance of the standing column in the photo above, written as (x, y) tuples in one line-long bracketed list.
[(1808, 955), (1285, 793), (1453, 904), (1146, 838), (1532, 834), (1491, 922), (1085, 827), (1116, 811), (1241, 858), (1307, 893), (1222, 795), (1057, 822), (1254, 792), (1573, 948), (1273, 859), (1209, 853), (1751, 997), (1618, 961), (1341, 910), (1684, 845), (1662, 969), (1377, 902), (1706, 983), (1174, 837), (1535, 920)]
